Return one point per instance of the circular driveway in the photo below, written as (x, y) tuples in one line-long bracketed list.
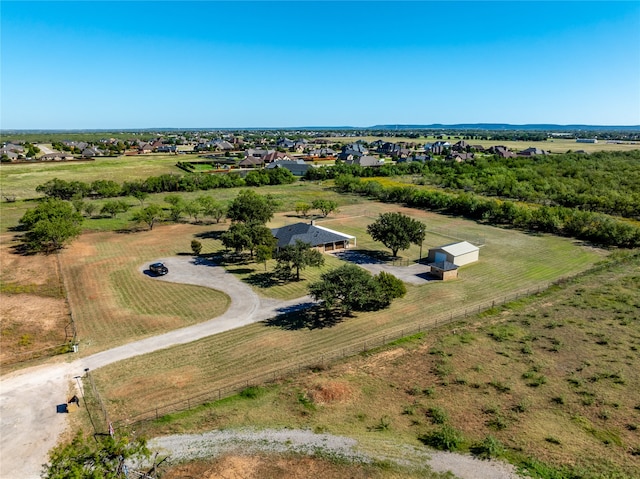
[(29, 398)]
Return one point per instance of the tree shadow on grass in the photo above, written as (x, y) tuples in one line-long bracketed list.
[(209, 235), (262, 280), (296, 318)]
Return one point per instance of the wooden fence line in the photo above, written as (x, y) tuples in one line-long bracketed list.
[(361, 346)]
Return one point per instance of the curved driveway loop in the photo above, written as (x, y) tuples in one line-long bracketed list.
[(30, 425)]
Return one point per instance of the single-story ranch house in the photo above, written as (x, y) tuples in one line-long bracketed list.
[(319, 237), (457, 253)]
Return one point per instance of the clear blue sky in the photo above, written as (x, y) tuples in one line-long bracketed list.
[(91, 64)]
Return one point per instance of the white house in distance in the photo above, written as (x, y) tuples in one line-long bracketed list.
[(458, 254)]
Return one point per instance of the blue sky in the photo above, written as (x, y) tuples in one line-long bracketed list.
[(67, 65)]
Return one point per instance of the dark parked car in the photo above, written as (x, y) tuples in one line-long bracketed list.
[(158, 268)]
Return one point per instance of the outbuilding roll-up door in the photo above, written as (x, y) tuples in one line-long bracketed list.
[(440, 257)]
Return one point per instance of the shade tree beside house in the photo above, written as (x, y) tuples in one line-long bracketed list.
[(397, 231)]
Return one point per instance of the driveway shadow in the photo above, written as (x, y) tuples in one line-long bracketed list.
[(357, 256)]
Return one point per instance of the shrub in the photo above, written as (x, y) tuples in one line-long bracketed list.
[(489, 448), (437, 415), (445, 439)]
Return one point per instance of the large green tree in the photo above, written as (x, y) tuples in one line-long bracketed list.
[(149, 215), (326, 207), (297, 256), (344, 289), (250, 207), (211, 207), (241, 236), (397, 231), (84, 458), (50, 225), (351, 288)]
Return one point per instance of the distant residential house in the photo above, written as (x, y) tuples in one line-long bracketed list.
[(56, 156), (318, 237), (167, 149), (365, 161), (461, 146), (477, 148), (460, 157), (258, 153), (91, 152), (143, 148), (532, 152), (251, 162), (501, 151), (438, 147), (11, 155), (357, 147), (285, 143), (322, 152), (397, 150), (274, 156), (457, 253), (416, 157), (349, 155), (224, 145), (296, 167), (18, 149)]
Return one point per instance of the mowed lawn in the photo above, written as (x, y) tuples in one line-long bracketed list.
[(510, 261), (114, 303)]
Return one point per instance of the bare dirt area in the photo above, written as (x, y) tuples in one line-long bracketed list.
[(261, 467), (34, 312)]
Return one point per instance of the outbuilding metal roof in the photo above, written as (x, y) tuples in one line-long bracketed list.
[(457, 249)]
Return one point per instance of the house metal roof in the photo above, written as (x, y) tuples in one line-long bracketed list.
[(457, 249), (307, 233)]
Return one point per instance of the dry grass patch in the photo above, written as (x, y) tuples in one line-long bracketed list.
[(279, 467), (34, 312), (330, 392)]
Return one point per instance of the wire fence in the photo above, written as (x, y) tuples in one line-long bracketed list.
[(316, 361)]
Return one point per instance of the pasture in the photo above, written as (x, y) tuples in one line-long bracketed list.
[(550, 378), (510, 261)]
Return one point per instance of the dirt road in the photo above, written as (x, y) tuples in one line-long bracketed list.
[(30, 424)]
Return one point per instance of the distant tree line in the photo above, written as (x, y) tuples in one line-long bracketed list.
[(597, 228), (605, 182), (167, 183)]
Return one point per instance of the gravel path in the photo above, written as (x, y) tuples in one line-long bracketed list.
[(183, 447)]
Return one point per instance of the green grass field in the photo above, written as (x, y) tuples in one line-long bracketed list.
[(552, 378), (510, 261)]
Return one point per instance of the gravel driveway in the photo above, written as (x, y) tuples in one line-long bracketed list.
[(183, 447)]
